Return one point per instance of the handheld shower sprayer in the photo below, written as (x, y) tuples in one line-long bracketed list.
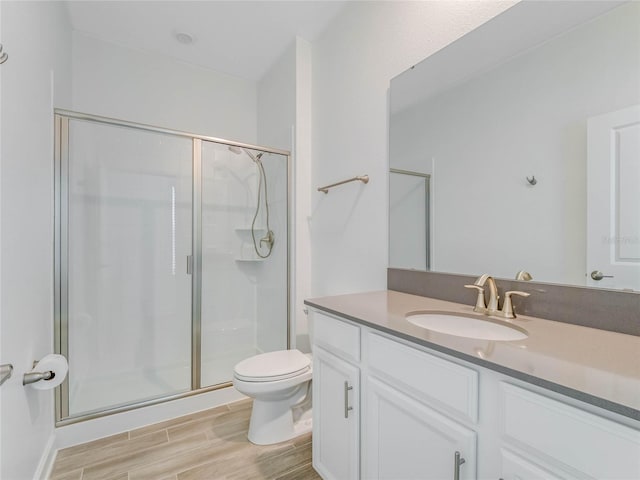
[(269, 238)]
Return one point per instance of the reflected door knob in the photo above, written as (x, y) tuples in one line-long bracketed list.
[(598, 275)]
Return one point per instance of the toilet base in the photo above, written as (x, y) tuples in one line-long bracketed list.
[(278, 421)]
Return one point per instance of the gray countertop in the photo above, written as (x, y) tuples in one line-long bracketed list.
[(595, 366)]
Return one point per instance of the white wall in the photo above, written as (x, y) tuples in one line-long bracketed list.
[(34, 80), (353, 62), (119, 82), (538, 105)]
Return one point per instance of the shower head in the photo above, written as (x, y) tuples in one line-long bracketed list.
[(238, 150)]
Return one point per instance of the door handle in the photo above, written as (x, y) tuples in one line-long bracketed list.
[(598, 275)]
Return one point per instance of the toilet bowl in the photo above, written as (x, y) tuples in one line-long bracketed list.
[(280, 385)]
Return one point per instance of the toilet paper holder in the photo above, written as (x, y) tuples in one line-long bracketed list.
[(33, 377)]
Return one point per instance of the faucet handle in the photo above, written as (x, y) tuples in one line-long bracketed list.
[(481, 306), (507, 308)]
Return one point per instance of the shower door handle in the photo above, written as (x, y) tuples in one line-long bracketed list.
[(189, 264)]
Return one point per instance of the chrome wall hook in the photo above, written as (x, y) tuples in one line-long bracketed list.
[(532, 180), (5, 372)]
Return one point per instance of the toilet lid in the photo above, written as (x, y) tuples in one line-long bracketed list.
[(272, 366)]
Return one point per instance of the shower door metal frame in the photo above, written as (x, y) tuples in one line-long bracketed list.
[(427, 213), (61, 242)]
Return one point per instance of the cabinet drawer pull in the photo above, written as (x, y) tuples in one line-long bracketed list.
[(456, 466), (346, 399)]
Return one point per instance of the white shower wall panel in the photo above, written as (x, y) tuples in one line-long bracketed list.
[(229, 196), (271, 291)]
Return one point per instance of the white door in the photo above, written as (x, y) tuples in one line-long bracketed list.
[(336, 425), (613, 199), (404, 439)]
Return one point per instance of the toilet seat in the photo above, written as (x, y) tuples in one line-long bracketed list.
[(272, 366)]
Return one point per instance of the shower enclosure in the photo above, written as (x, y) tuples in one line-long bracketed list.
[(172, 262)]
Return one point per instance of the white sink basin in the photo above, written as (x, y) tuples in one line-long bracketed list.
[(469, 326)]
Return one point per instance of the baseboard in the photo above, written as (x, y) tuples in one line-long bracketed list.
[(89, 430), (46, 460)]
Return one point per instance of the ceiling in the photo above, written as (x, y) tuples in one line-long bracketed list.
[(240, 38)]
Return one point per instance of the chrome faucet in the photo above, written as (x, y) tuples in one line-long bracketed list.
[(492, 307)]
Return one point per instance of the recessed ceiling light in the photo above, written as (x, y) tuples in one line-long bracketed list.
[(184, 38)]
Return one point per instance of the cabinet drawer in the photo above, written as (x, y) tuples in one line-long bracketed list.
[(575, 440), (338, 337), (445, 385)]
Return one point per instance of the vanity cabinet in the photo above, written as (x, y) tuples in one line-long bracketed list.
[(417, 408), (336, 399)]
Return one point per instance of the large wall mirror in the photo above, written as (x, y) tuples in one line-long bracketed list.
[(517, 149)]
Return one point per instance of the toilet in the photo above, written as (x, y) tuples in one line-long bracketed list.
[(280, 385)]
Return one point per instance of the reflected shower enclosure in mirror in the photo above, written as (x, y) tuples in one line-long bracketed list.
[(528, 131)]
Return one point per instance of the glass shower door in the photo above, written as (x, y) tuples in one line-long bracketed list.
[(129, 204)]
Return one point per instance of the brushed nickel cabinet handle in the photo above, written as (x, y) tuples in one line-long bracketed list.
[(458, 460), (346, 399)]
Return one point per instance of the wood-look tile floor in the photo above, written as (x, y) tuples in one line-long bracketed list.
[(208, 445)]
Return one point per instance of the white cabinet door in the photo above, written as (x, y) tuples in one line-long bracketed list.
[(514, 467), (336, 413), (404, 439), (568, 438)]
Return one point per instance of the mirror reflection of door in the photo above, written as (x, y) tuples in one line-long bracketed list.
[(409, 238), (613, 203)]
